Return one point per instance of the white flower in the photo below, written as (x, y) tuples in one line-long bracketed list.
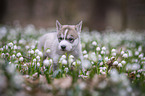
[(46, 62), (38, 64), (122, 52), (1, 49), (71, 56), (15, 47), (140, 48), (123, 62), (113, 50), (13, 56), (104, 48), (113, 54), (99, 57), (130, 53), (136, 53), (40, 53), (86, 56), (18, 54), (64, 62), (27, 47), (48, 51), (101, 63), (125, 55), (32, 51), (66, 69), (98, 49), (33, 46), (14, 41), (106, 59), (115, 63), (37, 51), (78, 62), (21, 59), (141, 55), (34, 60), (94, 43), (102, 52), (10, 44), (119, 65), (3, 55), (38, 57), (63, 56), (84, 52), (74, 63)]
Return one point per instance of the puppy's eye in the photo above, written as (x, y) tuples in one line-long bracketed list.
[(60, 38), (71, 40)]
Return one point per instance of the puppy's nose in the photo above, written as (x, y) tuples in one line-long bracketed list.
[(63, 47)]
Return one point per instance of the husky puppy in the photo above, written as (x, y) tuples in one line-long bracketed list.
[(66, 39)]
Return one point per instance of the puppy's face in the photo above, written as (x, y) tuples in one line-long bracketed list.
[(68, 36)]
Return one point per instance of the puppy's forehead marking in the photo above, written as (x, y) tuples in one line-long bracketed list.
[(68, 30)]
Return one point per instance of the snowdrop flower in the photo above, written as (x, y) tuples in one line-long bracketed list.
[(3, 55), (74, 63), (7, 54), (66, 69), (64, 62), (34, 60), (40, 53), (141, 55), (125, 55), (27, 47), (13, 56), (18, 54), (140, 48), (71, 56), (21, 59), (94, 43), (63, 56), (15, 47), (104, 48), (98, 49), (136, 53), (1, 49), (123, 62), (10, 44), (48, 51), (32, 51), (119, 65), (99, 57), (106, 59), (86, 64), (46, 62), (38, 57), (37, 51), (86, 56), (113, 54), (84, 52), (102, 52), (101, 63), (78, 62), (122, 52), (115, 63), (38, 64), (129, 53), (33, 46), (113, 50)]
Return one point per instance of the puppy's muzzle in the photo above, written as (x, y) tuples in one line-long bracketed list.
[(63, 47)]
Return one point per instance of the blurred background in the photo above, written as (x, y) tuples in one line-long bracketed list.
[(96, 14)]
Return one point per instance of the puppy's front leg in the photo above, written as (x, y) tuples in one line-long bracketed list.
[(55, 62)]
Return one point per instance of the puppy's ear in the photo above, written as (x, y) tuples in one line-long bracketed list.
[(79, 27), (58, 25)]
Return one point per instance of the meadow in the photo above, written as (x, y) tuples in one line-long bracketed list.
[(114, 65)]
